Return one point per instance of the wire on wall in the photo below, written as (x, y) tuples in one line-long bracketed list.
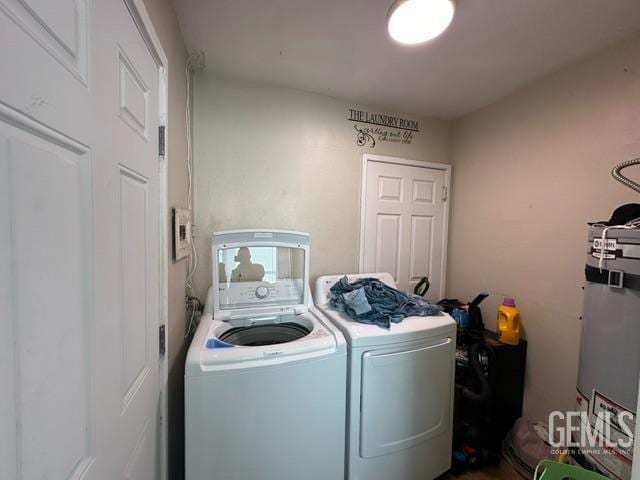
[(194, 62), (194, 306), (192, 264)]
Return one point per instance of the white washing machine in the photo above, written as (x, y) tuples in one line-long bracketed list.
[(400, 392), (265, 375)]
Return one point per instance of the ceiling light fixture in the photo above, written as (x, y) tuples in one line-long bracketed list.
[(416, 21)]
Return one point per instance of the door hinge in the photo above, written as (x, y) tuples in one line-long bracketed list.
[(161, 141), (445, 194), (162, 342)]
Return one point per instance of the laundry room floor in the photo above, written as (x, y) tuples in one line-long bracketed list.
[(502, 472)]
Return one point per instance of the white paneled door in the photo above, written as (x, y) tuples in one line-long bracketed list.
[(404, 221), (79, 230)]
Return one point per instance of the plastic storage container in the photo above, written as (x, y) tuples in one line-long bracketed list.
[(508, 330)]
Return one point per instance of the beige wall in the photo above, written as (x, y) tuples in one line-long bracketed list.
[(529, 172), (166, 26), (279, 158)]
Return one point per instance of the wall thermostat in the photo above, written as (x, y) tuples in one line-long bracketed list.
[(182, 235)]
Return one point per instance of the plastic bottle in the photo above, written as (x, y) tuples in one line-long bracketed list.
[(508, 322)]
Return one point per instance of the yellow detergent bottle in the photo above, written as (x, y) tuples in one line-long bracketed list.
[(508, 322)]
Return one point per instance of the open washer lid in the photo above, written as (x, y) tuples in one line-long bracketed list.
[(260, 272)]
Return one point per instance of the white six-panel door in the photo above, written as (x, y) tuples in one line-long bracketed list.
[(79, 275), (404, 221)]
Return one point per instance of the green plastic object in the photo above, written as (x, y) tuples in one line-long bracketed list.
[(550, 470)]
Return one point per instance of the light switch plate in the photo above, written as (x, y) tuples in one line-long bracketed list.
[(182, 236)]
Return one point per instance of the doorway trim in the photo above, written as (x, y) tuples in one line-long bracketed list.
[(143, 22), (445, 167)]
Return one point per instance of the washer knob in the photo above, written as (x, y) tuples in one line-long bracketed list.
[(262, 292)]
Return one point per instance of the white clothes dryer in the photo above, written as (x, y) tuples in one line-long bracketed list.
[(400, 392), (265, 375)]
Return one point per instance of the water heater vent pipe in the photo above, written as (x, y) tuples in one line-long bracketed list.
[(615, 173)]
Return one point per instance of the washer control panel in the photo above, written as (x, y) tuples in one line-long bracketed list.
[(262, 292), (243, 294)]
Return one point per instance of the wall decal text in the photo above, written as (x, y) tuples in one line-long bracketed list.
[(372, 127)]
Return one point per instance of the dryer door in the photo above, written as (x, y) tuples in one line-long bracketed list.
[(406, 396)]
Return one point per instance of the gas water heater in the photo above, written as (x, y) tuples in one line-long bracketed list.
[(609, 367)]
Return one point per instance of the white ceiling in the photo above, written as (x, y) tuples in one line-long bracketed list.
[(341, 47)]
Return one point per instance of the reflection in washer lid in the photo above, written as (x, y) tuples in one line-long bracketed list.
[(260, 272)]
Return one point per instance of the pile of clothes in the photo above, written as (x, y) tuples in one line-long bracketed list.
[(368, 300)]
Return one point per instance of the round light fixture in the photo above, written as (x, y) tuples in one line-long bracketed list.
[(416, 21)]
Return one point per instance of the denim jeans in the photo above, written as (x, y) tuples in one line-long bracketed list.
[(368, 300)]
